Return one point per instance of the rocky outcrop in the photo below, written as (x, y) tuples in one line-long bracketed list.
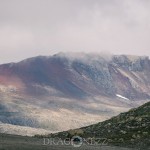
[(132, 63)]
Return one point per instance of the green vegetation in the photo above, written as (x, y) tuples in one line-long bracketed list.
[(130, 129)]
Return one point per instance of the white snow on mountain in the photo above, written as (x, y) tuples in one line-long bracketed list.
[(120, 96)]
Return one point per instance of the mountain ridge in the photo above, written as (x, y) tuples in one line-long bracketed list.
[(45, 70), (38, 92)]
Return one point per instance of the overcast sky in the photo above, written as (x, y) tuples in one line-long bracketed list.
[(44, 27)]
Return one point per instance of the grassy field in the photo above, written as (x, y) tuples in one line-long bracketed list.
[(14, 142)]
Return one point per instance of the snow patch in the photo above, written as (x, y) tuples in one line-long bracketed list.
[(120, 96)]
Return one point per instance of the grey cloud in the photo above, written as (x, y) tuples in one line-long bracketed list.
[(35, 27)]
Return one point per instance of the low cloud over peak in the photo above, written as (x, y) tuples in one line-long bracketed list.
[(30, 28)]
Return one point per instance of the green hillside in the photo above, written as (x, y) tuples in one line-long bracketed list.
[(130, 129)]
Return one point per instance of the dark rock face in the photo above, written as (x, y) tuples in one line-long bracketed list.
[(98, 73), (131, 63), (81, 77)]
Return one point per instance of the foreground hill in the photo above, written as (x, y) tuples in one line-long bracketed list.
[(80, 88), (130, 129)]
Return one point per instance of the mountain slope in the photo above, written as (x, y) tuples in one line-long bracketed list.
[(72, 77), (127, 129), (82, 89)]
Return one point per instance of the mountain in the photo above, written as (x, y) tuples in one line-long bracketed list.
[(67, 91), (130, 129)]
